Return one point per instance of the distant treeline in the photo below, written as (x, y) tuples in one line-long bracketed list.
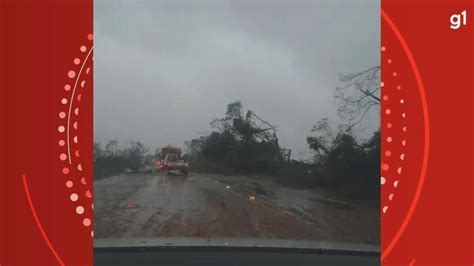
[(112, 161), (243, 142)]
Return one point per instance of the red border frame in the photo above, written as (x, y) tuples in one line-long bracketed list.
[(428, 190), (39, 223), (431, 220)]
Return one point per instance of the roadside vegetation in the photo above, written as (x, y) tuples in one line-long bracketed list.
[(242, 142), (111, 160)]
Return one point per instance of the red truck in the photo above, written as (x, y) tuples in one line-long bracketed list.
[(171, 161)]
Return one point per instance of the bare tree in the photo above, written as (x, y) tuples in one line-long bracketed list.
[(137, 152), (359, 94), (111, 148), (325, 137)]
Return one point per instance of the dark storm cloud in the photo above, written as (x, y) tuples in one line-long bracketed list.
[(165, 69)]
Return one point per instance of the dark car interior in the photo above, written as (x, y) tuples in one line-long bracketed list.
[(218, 256)]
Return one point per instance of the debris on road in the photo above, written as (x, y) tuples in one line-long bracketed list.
[(150, 206)]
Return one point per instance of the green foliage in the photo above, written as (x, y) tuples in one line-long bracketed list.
[(113, 161), (98, 152), (344, 164), (241, 143), (110, 166)]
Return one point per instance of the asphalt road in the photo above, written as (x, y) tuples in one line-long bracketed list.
[(211, 206)]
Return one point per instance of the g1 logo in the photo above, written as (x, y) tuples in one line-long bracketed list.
[(456, 21)]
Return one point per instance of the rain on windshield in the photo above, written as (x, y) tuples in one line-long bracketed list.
[(237, 122)]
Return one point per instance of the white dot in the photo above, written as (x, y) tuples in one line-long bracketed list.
[(382, 180), (79, 210), (74, 197), (71, 73), (86, 222), (69, 184)]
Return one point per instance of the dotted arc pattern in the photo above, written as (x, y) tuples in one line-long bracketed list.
[(77, 184), (393, 98), (405, 137)]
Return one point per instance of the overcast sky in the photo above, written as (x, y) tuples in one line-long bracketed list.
[(165, 69)]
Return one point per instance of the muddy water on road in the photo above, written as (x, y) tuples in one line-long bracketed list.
[(211, 206)]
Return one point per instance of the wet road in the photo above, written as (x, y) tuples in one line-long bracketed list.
[(213, 206)]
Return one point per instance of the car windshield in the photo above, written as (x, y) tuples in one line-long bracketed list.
[(273, 105), (171, 158)]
